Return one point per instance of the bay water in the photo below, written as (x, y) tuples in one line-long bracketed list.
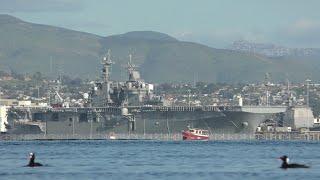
[(151, 159)]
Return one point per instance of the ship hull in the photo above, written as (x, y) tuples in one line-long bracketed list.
[(164, 122)]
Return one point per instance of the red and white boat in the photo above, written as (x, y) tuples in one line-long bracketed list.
[(195, 134)]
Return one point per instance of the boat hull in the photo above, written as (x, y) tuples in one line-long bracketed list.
[(186, 135)]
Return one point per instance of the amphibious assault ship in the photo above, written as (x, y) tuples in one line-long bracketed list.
[(133, 107)]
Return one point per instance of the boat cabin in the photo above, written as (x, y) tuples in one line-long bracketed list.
[(195, 134), (199, 132)]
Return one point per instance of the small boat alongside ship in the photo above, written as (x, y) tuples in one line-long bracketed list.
[(112, 136), (195, 134)]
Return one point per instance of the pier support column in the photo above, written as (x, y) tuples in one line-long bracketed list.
[(47, 118), (131, 123), (75, 119)]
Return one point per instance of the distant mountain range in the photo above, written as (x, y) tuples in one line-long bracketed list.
[(26, 47), (271, 50)]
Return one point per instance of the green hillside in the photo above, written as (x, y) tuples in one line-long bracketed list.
[(27, 47)]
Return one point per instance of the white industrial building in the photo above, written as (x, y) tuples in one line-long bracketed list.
[(299, 117), (3, 119)]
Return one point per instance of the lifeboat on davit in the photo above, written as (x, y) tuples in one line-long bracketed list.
[(195, 134)]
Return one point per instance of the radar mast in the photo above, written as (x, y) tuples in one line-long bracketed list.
[(106, 69), (134, 74)]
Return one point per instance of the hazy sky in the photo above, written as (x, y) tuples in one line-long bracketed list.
[(293, 23)]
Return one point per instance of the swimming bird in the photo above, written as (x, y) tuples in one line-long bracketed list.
[(32, 157), (285, 163)]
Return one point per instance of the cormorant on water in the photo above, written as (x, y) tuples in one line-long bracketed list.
[(285, 163), (31, 163)]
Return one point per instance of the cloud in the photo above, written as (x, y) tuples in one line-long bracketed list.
[(183, 34), (301, 33), (13, 6), (215, 38), (220, 38), (305, 24)]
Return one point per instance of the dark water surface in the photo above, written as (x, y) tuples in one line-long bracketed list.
[(158, 160)]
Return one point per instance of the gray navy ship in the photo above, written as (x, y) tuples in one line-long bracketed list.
[(133, 107)]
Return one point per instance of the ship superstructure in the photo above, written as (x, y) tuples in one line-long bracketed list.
[(100, 94), (134, 92)]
